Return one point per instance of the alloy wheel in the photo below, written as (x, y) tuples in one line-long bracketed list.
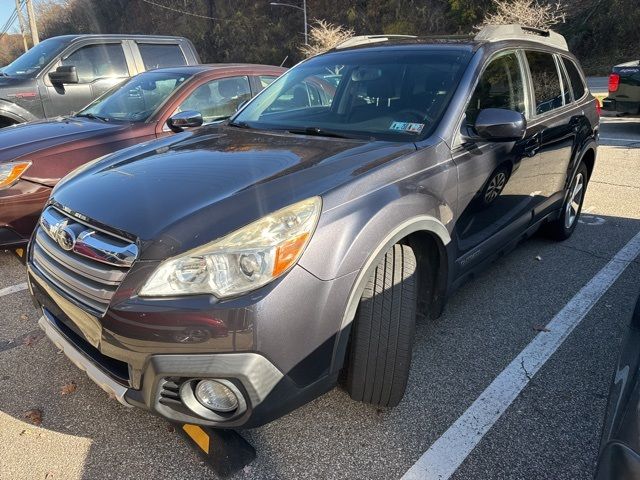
[(574, 201)]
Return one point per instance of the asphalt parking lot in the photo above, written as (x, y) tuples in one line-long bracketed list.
[(550, 430)]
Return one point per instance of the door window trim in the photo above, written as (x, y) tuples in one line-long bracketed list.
[(585, 87), (524, 72), (74, 47), (536, 118)]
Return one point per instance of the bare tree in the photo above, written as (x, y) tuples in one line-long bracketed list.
[(529, 13), (324, 36)]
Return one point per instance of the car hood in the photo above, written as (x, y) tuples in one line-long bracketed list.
[(26, 139), (176, 194), (9, 82)]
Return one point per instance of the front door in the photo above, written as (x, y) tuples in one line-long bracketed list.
[(99, 67), (498, 181)]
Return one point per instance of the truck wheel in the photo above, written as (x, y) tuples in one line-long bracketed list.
[(565, 224), (383, 331)]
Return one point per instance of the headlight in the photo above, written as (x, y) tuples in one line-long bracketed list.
[(241, 261), (11, 172)]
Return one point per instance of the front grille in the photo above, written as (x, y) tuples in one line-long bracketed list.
[(85, 263)]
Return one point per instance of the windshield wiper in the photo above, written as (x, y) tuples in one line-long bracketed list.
[(319, 132), (92, 116)]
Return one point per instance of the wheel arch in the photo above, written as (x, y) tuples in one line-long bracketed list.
[(428, 237)]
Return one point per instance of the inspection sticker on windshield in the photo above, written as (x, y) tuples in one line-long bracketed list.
[(406, 127)]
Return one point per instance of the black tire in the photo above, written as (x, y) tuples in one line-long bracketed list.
[(383, 331), (562, 228)]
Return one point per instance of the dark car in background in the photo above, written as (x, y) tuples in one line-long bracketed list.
[(63, 74), (624, 90), (620, 444), (315, 224), (35, 156)]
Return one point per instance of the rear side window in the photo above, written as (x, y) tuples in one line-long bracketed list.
[(266, 80), (218, 99), (577, 84), (500, 86), (546, 83), (98, 61), (160, 56)]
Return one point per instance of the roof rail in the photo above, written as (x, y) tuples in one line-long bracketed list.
[(367, 39), (494, 33)]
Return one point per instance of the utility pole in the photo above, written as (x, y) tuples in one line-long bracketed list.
[(32, 22), (22, 25)]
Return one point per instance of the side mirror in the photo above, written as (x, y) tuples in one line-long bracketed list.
[(62, 75), (500, 125), (187, 119)]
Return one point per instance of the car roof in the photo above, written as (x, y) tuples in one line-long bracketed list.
[(491, 34), (212, 67), (125, 36)]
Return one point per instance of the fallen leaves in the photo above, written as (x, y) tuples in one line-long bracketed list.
[(69, 388), (34, 416), (24, 318), (30, 340)]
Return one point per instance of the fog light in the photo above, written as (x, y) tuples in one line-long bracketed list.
[(216, 396)]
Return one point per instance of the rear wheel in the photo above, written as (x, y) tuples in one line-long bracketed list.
[(565, 224), (383, 331)]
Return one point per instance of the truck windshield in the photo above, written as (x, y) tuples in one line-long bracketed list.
[(30, 63), (396, 94), (136, 99)]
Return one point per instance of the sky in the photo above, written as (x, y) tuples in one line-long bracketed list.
[(6, 9)]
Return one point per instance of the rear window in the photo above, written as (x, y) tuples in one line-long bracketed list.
[(577, 84), (546, 83), (160, 56)]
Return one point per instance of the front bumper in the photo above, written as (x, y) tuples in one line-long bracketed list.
[(278, 350), (256, 374), (20, 207)]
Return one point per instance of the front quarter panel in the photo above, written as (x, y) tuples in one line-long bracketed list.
[(416, 192)]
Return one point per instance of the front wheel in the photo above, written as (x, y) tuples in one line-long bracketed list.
[(383, 331), (565, 224)]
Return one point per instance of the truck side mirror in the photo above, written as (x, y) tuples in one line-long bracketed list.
[(187, 119), (64, 75)]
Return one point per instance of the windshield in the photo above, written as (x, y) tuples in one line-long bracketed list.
[(389, 94), (31, 62), (137, 99)]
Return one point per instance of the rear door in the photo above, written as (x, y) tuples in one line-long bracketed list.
[(554, 124), (150, 55), (100, 66)]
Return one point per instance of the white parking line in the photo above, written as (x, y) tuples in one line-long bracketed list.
[(13, 289), (447, 453)]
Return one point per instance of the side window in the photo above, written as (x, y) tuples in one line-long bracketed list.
[(577, 83), (218, 99), (161, 55), (311, 92), (266, 80), (500, 86), (546, 83), (98, 61), (566, 86)]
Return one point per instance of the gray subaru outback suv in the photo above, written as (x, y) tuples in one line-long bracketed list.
[(226, 275)]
